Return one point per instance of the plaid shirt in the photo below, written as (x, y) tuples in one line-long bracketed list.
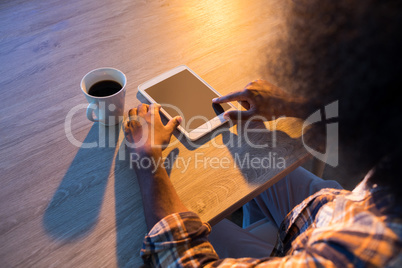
[(332, 228)]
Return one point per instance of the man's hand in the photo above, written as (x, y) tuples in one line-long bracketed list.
[(148, 136), (145, 131), (263, 100)]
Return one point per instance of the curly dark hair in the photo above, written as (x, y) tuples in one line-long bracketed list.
[(349, 51)]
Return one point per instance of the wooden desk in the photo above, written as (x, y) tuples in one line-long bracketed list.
[(68, 206)]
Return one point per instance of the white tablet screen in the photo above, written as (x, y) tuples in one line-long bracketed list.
[(188, 95)]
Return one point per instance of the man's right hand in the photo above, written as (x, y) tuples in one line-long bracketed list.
[(263, 100)]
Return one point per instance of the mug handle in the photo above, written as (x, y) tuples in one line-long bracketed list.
[(90, 110)]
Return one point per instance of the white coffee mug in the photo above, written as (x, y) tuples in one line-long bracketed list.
[(106, 110)]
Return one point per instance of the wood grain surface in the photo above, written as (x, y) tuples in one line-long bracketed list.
[(68, 197)]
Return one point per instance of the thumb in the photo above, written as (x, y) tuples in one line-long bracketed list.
[(239, 115), (173, 123)]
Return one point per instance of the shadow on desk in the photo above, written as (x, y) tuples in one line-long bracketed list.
[(256, 151), (74, 209), (130, 221)]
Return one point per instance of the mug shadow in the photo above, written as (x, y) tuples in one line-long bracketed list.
[(130, 221), (74, 209)]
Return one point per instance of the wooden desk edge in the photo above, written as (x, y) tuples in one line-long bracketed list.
[(259, 190)]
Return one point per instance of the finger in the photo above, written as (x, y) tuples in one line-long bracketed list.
[(142, 109), (132, 116), (132, 112), (126, 126), (173, 123), (154, 109), (245, 104), (236, 96), (239, 115)]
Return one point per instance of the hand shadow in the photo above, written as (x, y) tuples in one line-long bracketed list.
[(255, 150), (74, 209), (130, 221)]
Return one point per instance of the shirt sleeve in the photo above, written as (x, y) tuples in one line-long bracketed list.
[(180, 240), (350, 232)]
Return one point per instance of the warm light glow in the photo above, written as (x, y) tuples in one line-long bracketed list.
[(216, 21)]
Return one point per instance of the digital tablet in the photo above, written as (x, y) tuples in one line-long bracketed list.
[(181, 92)]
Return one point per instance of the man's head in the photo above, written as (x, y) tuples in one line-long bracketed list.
[(349, 51)]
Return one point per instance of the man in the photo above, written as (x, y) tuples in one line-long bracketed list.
[(345, 51)]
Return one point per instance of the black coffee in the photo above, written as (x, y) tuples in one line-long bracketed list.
[(104, 88)]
